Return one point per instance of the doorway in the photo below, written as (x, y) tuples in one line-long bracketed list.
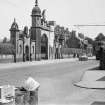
[(44, 47), (27, 53)]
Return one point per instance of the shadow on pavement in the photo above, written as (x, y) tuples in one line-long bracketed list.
[(98, 103), (101, 79), (95, 68)]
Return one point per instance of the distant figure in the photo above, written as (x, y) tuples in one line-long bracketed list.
[(77, 55), (74, 55)]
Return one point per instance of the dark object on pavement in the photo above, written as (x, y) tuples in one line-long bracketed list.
[(83, 58), (102, 58), (98, 103)]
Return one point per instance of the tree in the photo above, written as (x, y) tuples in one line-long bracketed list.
[(62, 35), (5, 40), (90, 40), (57, 32), (73, 41), (100, 37), (7, 49), (81, 35)]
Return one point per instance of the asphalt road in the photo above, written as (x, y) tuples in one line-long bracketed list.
[(56, 82)]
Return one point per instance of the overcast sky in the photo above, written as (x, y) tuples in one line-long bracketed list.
[(65, 12)]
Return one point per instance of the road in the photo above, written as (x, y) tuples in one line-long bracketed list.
[(56, 82)]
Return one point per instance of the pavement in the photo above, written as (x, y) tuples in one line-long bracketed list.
[(41, 62), (92, 79), (33, 63)]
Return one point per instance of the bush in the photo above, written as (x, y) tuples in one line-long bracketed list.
[(7, 49)]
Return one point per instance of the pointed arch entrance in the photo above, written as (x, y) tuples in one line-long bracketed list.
[(44, 47), (27, 53)]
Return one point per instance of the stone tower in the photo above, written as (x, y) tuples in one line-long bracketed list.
[(36, 30), (13, 33)]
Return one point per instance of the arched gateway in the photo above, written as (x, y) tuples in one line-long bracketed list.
[(37, 42), (27, 53), (44, 47)]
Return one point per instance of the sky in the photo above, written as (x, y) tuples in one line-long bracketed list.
[(66, 13)]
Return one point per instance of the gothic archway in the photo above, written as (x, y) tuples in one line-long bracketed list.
[(44, 47), (27, 53)]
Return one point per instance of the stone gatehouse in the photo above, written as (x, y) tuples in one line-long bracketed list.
[(35, 42)]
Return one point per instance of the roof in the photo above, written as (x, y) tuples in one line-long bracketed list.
[(36, 11), (14, 25)]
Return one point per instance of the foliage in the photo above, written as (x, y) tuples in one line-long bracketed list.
[(5, 40), (100, 37), (80, 35), (7, 48), (73, 41), (72, 51), (57, 31), (60, 33), (90, 40)]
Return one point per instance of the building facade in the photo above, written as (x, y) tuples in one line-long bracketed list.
[(35, 43)]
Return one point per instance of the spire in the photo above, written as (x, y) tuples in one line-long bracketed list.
[(14, 25), (14, 20), (36, 3)]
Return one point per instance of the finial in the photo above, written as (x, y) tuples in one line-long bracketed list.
[(36, 3), (14, 20)]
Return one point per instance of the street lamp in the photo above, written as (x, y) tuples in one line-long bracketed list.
[(61, 43), (23, 48)]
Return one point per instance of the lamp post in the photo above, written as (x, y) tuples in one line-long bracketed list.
[(23, 47), (61, 42)]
